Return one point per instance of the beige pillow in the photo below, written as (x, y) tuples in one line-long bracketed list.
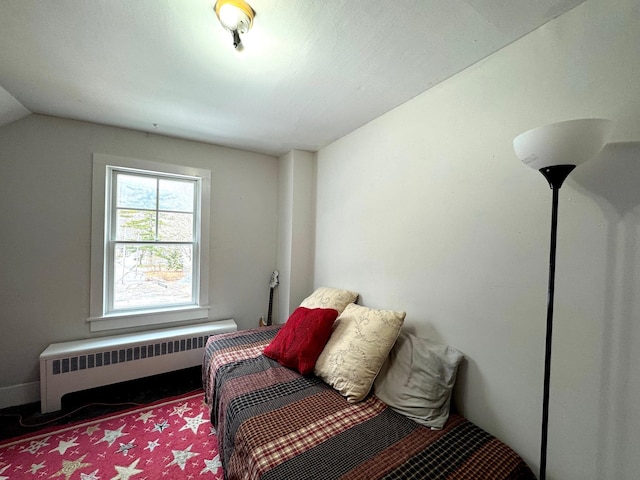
[(327, 297), (360, 343), (417, 379)]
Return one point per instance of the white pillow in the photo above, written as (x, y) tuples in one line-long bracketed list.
[(417, 379), (358, 346), (327, 297)]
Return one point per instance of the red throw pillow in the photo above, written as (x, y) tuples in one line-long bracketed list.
[(301, 340)]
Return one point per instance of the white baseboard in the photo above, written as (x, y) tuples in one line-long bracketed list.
[(19, 394)]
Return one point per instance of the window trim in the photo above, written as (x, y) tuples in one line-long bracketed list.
[(98, 319)]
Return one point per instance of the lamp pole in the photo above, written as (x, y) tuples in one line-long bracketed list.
[(555, 175), (555, 150)]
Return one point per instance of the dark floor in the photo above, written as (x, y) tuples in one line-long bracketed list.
[(83, 405)]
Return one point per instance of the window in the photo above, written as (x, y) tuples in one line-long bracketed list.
[(149, 243)]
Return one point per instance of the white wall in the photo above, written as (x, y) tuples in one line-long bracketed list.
[(45, 225), (427, 209), (296, 193)]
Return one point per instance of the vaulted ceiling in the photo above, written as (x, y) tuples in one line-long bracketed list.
[(311, 71)]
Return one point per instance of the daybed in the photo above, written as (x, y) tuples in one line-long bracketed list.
[(274, 422)]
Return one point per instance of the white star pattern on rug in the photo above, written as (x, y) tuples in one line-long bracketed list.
[(145, 416), (181, 410), (212, 465), (193, 423), (91, 476), (151, 445), (124, 473), (125, 447), (35, 445), (121, 446), (180, 457), (64, 446), (159, 427), (35, 467), (2, 471), (111, 436)]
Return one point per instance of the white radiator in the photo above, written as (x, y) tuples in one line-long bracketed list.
[(82, 364)]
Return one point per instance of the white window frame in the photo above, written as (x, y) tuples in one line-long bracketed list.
[(99, 317)]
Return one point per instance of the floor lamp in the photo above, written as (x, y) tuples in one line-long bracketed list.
[(555, 150)]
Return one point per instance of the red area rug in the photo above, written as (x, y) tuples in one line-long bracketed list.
[(169, 439)]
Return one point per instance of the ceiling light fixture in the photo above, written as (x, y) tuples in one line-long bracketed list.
[(236, 16)]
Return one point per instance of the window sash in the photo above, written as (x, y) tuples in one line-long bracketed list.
[(113, 243), (112, 278)]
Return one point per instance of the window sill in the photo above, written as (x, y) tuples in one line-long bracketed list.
[(139, 319)]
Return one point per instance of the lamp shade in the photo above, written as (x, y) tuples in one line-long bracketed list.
[(235, 15), (571, 142)]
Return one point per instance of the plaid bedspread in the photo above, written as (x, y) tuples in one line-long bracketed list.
[(274, 424)]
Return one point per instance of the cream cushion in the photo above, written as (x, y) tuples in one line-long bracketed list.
[(417, 379), (359, 344), (328, 297)]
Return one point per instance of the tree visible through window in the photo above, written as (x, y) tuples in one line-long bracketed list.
[(153, 239)]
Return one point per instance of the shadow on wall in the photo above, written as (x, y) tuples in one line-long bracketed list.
[(613, 180)]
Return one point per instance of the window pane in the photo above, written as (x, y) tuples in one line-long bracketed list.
[(175, 227), (152, 275), (176, 195), (135, 225), (136, 191)]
